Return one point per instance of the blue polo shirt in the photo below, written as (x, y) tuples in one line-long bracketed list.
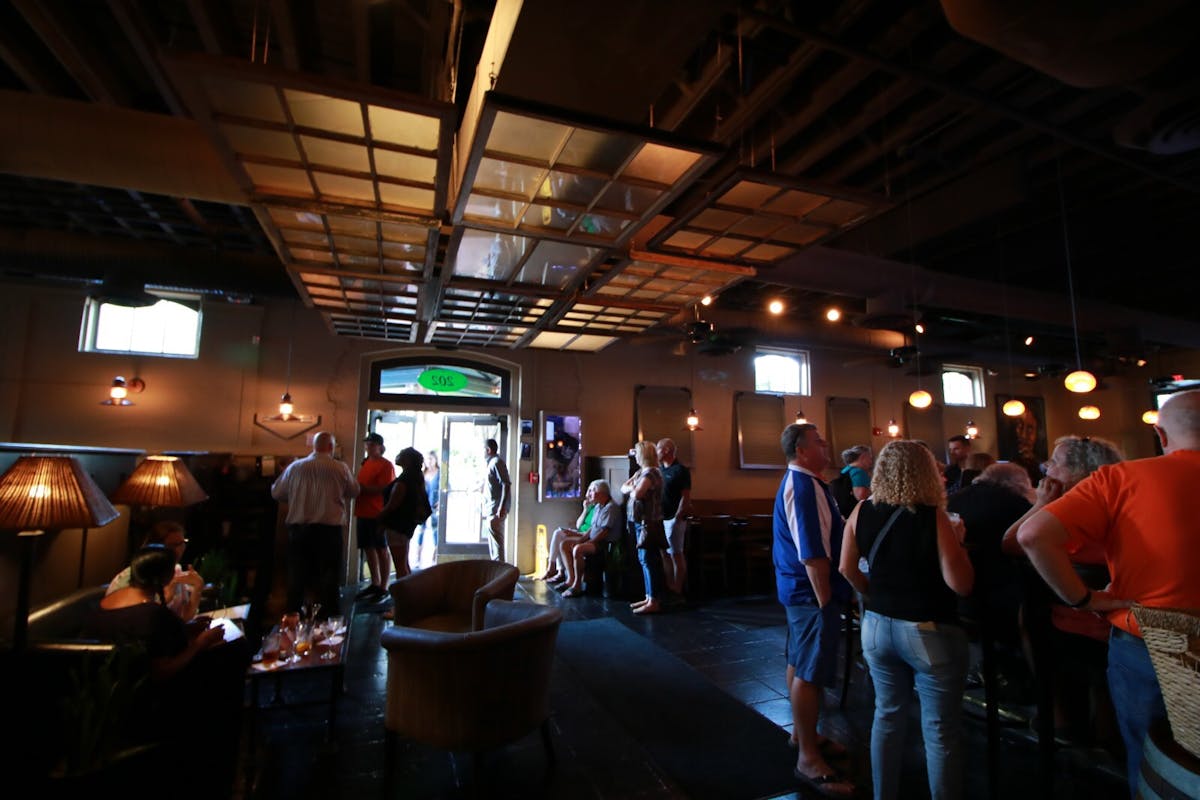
[(807, 526)]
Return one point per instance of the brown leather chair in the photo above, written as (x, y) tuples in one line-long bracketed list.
[(451, 596), (472, 691)]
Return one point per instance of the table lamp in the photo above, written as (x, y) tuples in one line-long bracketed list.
[(40, 493)]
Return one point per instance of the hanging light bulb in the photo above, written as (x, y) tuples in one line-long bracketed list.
[(893, 429), (833, 314), (286, 407), (1150, 417), (1089, 412), (800, 418), (920, 399), (1080, 381), (775, 307), (1014, 408), (693, 420), (972, 432)]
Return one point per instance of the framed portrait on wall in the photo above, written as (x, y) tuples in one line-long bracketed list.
[(1022, 439)]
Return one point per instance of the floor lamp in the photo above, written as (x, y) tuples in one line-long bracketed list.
[(40, 493)]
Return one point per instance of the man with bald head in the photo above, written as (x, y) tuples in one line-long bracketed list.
[(1143, 513), (316, 489)]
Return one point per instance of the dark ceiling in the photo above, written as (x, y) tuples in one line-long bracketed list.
[(1008, 139)]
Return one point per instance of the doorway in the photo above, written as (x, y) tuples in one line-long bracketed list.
[(457, 527)]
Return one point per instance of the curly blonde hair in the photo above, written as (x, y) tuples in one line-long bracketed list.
[(646, 454), (906, 475)]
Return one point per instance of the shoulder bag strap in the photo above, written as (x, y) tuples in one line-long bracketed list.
[(882, 535)]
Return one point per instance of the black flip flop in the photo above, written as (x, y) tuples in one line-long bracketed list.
[(821, 783)]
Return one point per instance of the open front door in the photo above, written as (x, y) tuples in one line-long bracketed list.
[(464, 470)]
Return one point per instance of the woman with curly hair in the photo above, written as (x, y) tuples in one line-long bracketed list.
[(910, 631)]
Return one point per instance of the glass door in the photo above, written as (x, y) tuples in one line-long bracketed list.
[(464, 472)]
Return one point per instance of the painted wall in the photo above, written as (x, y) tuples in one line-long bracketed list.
[(50, 393)]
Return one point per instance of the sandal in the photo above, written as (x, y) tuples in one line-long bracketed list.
[(824, 784), (573, 593)]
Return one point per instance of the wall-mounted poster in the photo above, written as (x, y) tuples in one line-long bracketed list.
[(1022, 439)]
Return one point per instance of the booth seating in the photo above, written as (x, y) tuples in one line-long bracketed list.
[(475, 690), (452, 596)]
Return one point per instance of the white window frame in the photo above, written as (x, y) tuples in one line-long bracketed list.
[(805, 367), (88, 332), (975, 374)]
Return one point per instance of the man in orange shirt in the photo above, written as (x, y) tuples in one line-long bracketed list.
[(374, 476), (1143, 514)]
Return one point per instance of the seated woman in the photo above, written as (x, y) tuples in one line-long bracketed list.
[(555, 572), (193, 675), (607, 522), (183, 591)]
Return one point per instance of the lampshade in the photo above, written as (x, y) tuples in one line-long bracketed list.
[(1080, 381), (51, 492), (160, 481), (920, 399), (1014, 408)]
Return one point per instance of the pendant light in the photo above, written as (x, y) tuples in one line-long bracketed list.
[(1080, 381), (971, 432), (1089, 412), (287, 415), (893, 429), (800, 418), (1150, 417), (920, 399)]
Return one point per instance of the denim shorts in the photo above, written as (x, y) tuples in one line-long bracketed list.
[(812, 641)]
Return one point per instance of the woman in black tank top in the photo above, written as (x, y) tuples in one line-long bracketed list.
[(910, 632)]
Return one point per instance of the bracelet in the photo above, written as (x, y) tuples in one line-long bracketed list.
[(1087, 598)]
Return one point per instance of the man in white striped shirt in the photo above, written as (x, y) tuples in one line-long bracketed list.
[(317, 490)]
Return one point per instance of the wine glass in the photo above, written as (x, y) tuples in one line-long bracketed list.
[(333, 637)]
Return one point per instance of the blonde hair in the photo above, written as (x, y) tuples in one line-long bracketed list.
[(906, 475), (645, 454)]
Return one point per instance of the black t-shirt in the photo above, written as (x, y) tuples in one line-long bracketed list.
[(676, 479), (155, 626), (906, 577)]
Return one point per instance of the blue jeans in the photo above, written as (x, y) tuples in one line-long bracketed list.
[(1136, 696), (652, 570), (900, 653)]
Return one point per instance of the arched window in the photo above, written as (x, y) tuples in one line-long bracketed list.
[(453, 381)]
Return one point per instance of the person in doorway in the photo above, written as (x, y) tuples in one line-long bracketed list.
[(316, 489), (677, 503), (426, 539), (374, 477), (807, 539), (407, 499), (497, 498)]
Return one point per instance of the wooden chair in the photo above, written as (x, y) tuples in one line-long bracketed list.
[(472, 691)]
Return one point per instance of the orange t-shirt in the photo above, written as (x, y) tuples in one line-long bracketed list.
[(1143, 513), (373, 472)]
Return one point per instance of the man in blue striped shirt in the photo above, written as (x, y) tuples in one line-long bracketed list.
[(808, 538)]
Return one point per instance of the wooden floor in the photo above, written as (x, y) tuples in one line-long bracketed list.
[(737, 643)]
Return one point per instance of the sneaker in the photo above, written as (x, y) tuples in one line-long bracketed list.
[(367, 592)]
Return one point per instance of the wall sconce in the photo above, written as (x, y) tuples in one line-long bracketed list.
[(920, 399), (971, 431), (893, 429), (1150, 417), (118, 393), (1089, 412), (693, 421), (1014, 408)]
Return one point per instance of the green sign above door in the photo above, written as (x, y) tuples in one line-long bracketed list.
[(442, 380)]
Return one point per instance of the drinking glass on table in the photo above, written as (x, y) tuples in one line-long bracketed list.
[(333, 637), (304, 639)]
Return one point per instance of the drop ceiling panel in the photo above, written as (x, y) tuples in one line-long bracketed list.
[(761, 218)]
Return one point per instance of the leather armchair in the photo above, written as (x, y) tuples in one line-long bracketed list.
[(471, 691), (451, 596)]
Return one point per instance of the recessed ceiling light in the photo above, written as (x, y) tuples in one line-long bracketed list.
[(1028, 341), (919, 328), (706, 300)]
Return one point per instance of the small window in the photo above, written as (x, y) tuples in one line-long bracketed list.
[(781, 371), (962, 386), (170, 327)]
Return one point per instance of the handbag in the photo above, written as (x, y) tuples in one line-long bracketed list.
[(651, 536)]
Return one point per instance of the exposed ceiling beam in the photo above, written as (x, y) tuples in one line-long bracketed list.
[(40, 138), (215, 40), (360, 25), (975, 98), (92, 75), (21, 61), (137, 32)]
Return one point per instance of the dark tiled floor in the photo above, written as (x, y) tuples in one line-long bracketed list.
[(736, 643)]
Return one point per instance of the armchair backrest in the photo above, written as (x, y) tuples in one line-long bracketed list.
[(453, 591)]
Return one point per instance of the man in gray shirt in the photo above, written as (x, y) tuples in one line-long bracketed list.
[(499, 498), (317, 490)]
